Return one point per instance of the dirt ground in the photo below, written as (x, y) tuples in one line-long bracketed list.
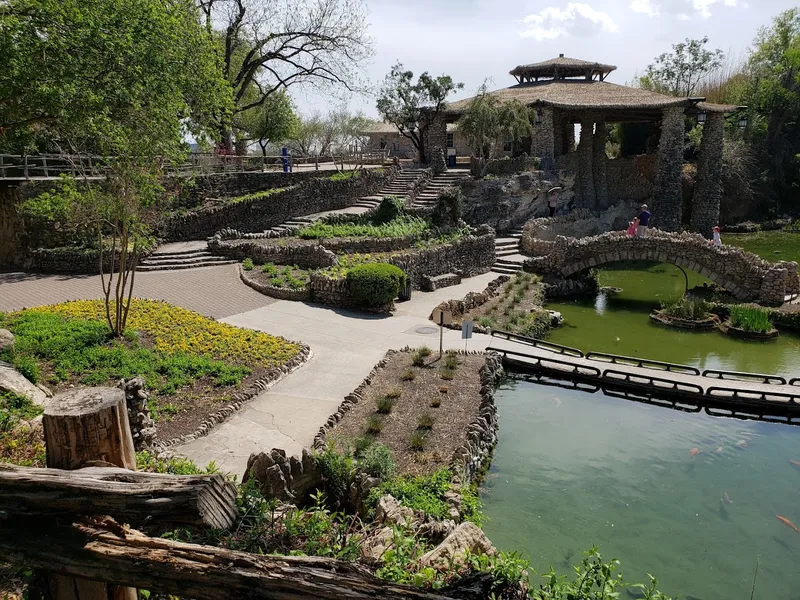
[(459, 400)]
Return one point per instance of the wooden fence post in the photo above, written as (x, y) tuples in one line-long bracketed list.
[(82, 426)]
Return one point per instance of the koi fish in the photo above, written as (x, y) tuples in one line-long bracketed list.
[(787, 522), (742, 443), (726, 499), (720, 449), (796, 463), (694, 452)]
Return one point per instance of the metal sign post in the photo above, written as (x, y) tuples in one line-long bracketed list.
[(442, 318), (466, 333)]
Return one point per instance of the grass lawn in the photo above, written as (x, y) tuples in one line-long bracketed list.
[(399, 227), (191, 363), (769, 245)]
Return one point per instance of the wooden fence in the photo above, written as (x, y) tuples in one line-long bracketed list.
[(74, 520)]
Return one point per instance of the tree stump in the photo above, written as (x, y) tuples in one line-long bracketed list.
[(81, 426)]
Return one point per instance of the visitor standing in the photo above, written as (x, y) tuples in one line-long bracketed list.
[(644, 221), (632, 225), (552, 200), (717, 241)]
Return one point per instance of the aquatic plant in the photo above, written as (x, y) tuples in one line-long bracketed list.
[(750, 318), (691, 309)]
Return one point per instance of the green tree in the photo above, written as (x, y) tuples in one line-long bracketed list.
[(681, 71), (274, 120), (773, 99), (487, 119), (267, 47), (412, 107), (126, 79)]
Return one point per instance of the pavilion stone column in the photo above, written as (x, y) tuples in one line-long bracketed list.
[(708, 189), (568, 135), (558, 134), (585, 170), (434, 143), (600, 164), (543, 139), (668, 196)]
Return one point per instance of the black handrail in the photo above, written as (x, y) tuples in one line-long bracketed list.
[(642, 362), (593, 371), (558, 348), (759, 377), (794, 381), (761, 396), (674, 385)]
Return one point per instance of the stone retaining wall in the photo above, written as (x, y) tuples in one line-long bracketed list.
[(745, 275), (307, 256), (194, 190), (308, 197), (69, 260), (272, 291), (629, 179)]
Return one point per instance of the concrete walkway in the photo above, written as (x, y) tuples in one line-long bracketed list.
[(346, 345)]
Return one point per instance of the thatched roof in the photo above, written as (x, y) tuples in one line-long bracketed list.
[(561, 67), (381, 127), (723, 108), (579, 95)]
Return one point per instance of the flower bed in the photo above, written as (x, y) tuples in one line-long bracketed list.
[(193, 366), (273, 282)]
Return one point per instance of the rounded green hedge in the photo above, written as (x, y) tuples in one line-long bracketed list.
[(375, 284)]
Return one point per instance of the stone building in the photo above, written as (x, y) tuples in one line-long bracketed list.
[(573, 101)]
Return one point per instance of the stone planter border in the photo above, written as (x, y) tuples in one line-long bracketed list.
[(729, 329), (239, 399), (472, 300), (710, 322), (274, 292)]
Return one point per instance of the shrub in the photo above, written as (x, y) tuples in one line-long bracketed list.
[(269, 269), (447, 373), (424, 492), (408, 376), (418, 439), (374, 424), (426, 421), (375, 284), (436, 402), (394, 394), (687, 308), (338, 471), (361, 443), (390, 208), (247, 264), (384, 405), (449, 208), (176, 465), (377, 461), (750, 318)]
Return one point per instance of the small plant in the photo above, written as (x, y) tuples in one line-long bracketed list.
[(361, 443), (374, 424), (408, 375), (384, 405), (418, 440), (451, 361), (269, 269), (247, 264), (750, 318), (394, 394), (417, 359), (377, 461), (426, 421), (435, 402), (447, 373), (687, 308), (424, 351)]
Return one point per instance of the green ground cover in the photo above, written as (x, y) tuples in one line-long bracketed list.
[(403, 225), (769, 245)]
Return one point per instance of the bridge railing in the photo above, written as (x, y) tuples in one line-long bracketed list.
[(741, 376), (557, 348), (642, 362)]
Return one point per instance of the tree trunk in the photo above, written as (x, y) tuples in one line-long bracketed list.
[(129, 497), (81, 426)]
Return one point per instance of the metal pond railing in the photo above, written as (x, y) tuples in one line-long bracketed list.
[(642, 362), (741, 376), (557, 348)]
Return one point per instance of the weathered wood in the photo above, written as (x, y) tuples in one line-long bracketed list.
[(127, 496), (81, 426), (104, 551), (88, 424)]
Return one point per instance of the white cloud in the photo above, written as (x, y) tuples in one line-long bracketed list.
[(576, 19), (681, 8)]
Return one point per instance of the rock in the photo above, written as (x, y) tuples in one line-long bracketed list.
[(390, 512), (281, 477), (142, 425), (436, 531), (377, 543), (467, 536), (13, 381), (47, 391), (6, 340)]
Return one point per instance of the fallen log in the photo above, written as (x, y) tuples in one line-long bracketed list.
[(128, 496), (102, 550)]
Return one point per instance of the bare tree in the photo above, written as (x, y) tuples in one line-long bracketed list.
[(271, 46)]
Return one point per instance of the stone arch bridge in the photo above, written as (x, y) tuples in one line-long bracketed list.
[(747, 276)]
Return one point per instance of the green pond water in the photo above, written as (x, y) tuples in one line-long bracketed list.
[(574, 469)]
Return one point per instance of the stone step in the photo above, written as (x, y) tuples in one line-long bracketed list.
[(156, 257), (502, 243), (178, 254), (175, 266), (505, 270), (505, 251)]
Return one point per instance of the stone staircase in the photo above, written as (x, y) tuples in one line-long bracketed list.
[(428, 196), (508, 259), (181, 255)]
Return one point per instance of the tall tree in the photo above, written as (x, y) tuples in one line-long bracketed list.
[(273, 121), (774, 101), (487, 119), (121, 78), (267, 47), (401, 102), (681, 71)]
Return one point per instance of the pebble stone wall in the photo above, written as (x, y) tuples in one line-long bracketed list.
[(708, 189)]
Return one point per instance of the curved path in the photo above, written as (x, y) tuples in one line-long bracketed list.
[(345, 345)]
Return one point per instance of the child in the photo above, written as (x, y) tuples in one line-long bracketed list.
[(717, 240), (632, 227)]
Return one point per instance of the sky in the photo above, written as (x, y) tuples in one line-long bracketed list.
[(472, 40)]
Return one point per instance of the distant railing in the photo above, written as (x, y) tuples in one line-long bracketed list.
[(45, 166)]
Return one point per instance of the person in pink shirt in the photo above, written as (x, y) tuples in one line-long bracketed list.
[(632, 227)]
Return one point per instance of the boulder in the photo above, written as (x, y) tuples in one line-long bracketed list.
[(288, 479), (467, 536), (390, 512), (6, 340), (13, 381), (377, 543)]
